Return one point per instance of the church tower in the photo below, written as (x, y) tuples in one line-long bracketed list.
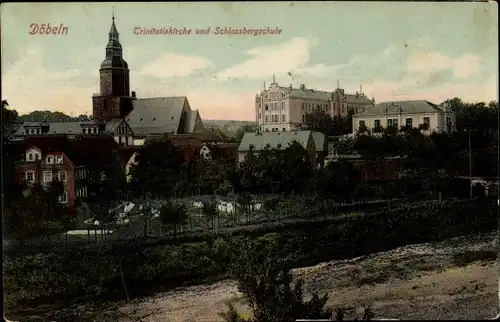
[(114, 100)]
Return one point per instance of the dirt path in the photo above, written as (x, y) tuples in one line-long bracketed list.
[(455, 279)]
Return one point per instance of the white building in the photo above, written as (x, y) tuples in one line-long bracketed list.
[(279, 109), (436, 118)]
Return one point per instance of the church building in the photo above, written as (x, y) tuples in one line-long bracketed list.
[(147, 117), (118, 113)]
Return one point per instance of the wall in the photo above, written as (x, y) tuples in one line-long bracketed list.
[(434, 118)]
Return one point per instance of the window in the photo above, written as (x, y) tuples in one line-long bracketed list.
[(427, 121), (47, 176), (61, 176), (284, 129), (84, 130), (394, 122), (30, 176), (362, 123), (50, 159), (283, 118), (377, 123), (30, 156), (409, 122), (266, 119), (59, 159), (303, 118), (64, 197), (260, 116), (282, 105), (448, 123), (37, 156), (389, 122), (266, 107)]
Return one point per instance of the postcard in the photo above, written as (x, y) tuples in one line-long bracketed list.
[(250, 161)]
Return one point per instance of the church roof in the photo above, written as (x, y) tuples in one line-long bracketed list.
[(157, 115)]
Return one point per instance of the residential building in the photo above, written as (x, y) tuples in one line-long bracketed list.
[(147, 117), (56, 158), (256, 142), (435, 118), (279, 109), (116, 128)]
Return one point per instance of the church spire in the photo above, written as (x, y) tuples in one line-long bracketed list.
[(114, 48)]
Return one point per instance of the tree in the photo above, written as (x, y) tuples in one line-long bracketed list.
[(319, 121), (266, 283), (210, 212), (238, 136), (173, 215), (158, 169)]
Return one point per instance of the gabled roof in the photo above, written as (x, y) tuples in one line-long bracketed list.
[(68, 127), (82, 151), (113, 124), (319, 141), (358, 98), (204, 137), (305, 93), (156, 115), (274, 140), (405, 107), (186, 142)]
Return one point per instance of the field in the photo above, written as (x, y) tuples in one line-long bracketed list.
[(453, 279), (142, 268)]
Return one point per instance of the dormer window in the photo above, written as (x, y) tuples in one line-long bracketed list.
[(31, 157), (59, 159), (50, 159)]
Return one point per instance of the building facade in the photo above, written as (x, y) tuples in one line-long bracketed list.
[(279, 109), (415, 114), (57, 158)]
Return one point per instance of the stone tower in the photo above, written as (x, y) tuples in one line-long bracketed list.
[(114, 100)]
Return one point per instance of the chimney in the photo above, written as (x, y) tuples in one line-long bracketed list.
[(303, 87), (133, 93)]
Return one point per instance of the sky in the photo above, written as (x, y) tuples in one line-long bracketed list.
[(394, 50)]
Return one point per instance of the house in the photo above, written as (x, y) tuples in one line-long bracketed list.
[(116, 128), (256, 142), (46, 159), (432, 117)]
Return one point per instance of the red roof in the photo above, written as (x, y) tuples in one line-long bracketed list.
[(81, 150)]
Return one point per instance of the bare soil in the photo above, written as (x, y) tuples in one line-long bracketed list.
[(453, 279)]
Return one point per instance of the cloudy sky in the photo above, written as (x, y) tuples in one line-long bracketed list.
[(396, 51)]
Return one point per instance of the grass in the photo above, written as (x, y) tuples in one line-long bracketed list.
[(472, 256)]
